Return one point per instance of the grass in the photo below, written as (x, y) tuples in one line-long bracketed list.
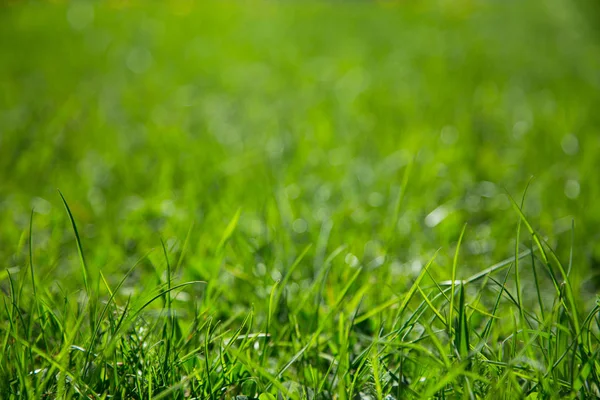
[(299, 200)]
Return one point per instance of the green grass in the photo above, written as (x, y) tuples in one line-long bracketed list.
[(318, 201)]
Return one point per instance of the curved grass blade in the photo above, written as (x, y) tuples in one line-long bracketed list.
[(229, 231), (84, 266)]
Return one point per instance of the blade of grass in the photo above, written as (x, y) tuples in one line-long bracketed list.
[(461, 339), (228, 231), (84, 266), (170, 326), (488, 326), (453, 282)]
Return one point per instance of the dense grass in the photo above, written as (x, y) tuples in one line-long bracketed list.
[(353, 200)]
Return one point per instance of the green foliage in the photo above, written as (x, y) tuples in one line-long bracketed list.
[(311, 201)]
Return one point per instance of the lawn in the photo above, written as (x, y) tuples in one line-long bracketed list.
[(325, 200)]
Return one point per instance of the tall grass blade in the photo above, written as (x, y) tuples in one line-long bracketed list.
[(453, 279)]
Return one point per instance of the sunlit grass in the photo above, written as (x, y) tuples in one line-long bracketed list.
[(315, 201)]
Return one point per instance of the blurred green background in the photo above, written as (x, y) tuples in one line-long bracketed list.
[(153, 117)]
